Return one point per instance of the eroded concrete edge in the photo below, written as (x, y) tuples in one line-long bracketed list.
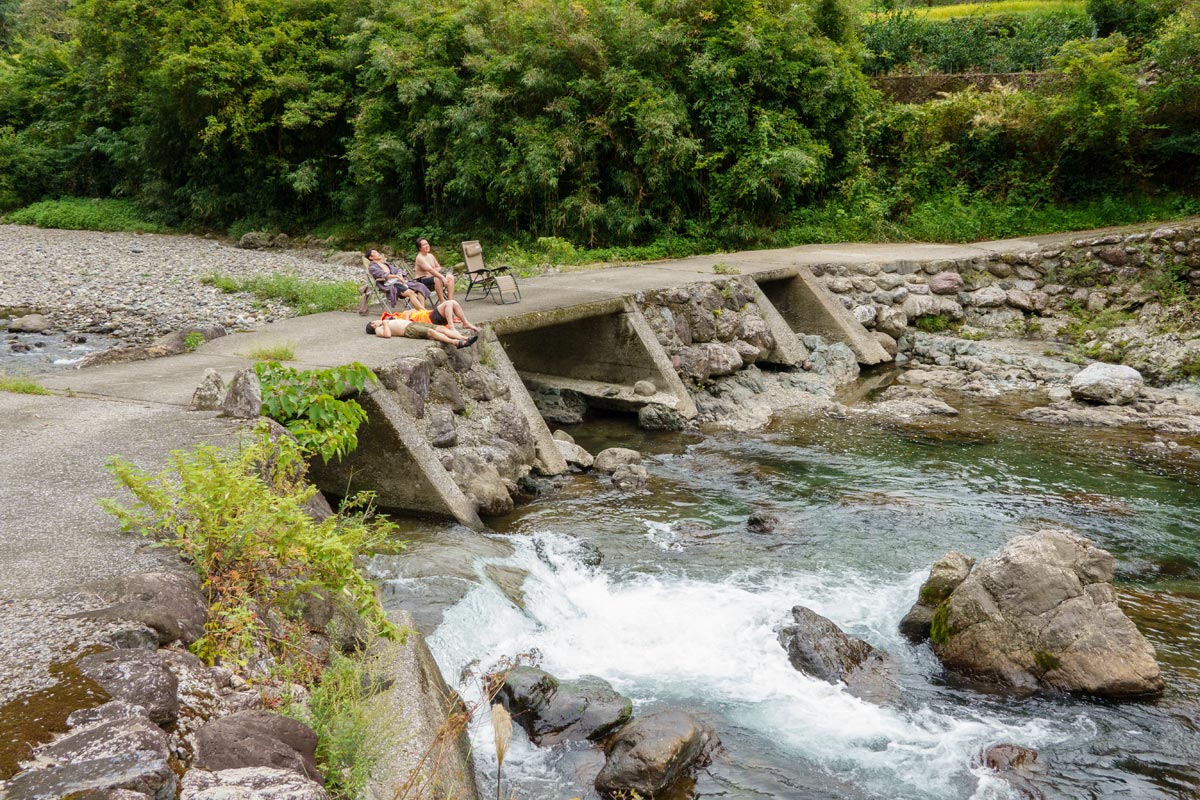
[(686, 406), (547, 452), (413, 480)]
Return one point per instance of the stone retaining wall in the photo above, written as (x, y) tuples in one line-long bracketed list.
[(1001, 291)]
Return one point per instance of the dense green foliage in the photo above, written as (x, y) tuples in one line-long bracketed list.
[(905, 41), (643, 127), (308, 403), (240, 520)]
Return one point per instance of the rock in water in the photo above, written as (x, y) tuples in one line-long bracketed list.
[(553, 711), (1042, 613), (944, 577), (1109, 384), (652, 753), (609, 459), (818, 647)]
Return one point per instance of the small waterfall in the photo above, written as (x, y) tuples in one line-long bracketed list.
[(711, 647)]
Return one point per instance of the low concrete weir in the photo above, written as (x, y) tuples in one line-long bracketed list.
[(583, 333)]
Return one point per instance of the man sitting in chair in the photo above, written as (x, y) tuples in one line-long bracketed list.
[(395, 282), (430, 273)]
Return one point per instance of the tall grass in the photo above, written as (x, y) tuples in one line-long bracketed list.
[(85, 214), (307, 297)]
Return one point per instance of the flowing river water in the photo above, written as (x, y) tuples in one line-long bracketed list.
[(683, 609)]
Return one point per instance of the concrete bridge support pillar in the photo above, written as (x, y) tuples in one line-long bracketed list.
[(548, 453), (809, 308), (395, 461)]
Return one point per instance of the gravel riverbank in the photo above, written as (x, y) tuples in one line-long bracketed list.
[(137, 287)]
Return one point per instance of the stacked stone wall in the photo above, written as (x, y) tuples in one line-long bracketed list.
[(1000, 290)]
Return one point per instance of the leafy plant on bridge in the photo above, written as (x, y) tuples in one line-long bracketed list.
[(309, 404)]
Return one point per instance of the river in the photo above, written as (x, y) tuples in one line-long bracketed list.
[(683, 609)]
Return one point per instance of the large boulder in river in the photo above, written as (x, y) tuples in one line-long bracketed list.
[(1042, 613), (1109, 384), (654, 752), (818, 647), (553, 711)]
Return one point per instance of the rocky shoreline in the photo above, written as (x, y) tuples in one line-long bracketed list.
[(136, 288)]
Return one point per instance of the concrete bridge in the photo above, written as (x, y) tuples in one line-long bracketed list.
[(577, 331)]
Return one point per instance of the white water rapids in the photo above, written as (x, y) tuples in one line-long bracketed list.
[(710, 647)]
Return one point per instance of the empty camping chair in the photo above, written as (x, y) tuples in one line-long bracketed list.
[(497, 282)]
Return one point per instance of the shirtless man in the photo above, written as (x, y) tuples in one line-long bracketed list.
[(399, 326), (429, 272)]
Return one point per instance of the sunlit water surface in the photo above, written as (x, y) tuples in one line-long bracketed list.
[(684, 608)]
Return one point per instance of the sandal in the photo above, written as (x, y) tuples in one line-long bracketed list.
[(467, 343)]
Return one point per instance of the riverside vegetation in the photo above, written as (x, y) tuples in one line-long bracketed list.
[(245, 521), (668, 128)]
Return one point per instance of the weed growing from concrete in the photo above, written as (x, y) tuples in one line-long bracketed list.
[(285, 351), (307, 403), (193, 341)]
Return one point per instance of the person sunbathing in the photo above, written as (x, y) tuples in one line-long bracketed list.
[(399, 326), (395, 281), (430, 272), (446, 313)]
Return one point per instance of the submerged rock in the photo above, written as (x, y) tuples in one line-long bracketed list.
[(818, 647), (652, 753), (1042, 613)]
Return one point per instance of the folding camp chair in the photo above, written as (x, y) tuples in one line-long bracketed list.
[(496, 282)]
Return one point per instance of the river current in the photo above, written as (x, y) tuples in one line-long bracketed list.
[(683, 609)]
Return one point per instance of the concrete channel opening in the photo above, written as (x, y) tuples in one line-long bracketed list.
[(808, 308), (602, 358)]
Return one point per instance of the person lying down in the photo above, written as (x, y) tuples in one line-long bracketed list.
[(402, 326)]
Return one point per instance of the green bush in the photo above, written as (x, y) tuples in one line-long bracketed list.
[(90, 214), (240, 520), (1137, 19), (307, 403)]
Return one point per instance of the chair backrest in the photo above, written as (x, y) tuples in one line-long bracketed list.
[(472, 253)]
